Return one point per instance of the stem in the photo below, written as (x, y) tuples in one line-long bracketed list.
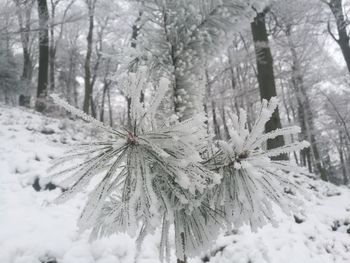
[(183, 244)]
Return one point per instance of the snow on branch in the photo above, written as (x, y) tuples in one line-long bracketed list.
[(82, 115), (149, 174), (251, 181), (155, 175)]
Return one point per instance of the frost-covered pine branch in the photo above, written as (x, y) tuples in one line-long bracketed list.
[(82, 115), (154, 174), (251, 181), (148, 175)]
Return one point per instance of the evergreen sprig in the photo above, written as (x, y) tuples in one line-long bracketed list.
[(143, 176), (153, 174), (252, 181)]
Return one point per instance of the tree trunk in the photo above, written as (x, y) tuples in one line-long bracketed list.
[(104, 94), (285, 104), (182, 236), (24, 99), (224, 121), (54, 42), (110, 107), (233, 83), (27, 72), (43, 55), (305, 112), (24, 11), (102, 113), (106, 84), (216, 126), (304, 153), (75, 93), (87, 64), (266, 77), (52, 47), (336, 7), (52, 69), (342, 159), (71, 83), (188, 94)]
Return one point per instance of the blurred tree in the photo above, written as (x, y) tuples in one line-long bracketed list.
[(266, 76), (43, 72)]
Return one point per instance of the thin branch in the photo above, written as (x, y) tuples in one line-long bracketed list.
[(338, 113), (24, 30), (330, 32), (63, 22)]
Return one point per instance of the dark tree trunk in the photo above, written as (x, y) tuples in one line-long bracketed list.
[(215, 120), (25, 27), (76, 94), (106, 84), (304, 153), (342, 159), (182, 236), (69, 81), (233, 82), (52, 48), (43, 55), (87, 66), (110, 107), (102, 113), (24, 99), (52, 69), (336, 7), (224, 122), (27, 66), (216, 126), (266, 77), (104, 94)]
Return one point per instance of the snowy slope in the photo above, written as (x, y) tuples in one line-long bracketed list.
[(32, 230)]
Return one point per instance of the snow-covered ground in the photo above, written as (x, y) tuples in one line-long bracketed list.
[(33, 230)]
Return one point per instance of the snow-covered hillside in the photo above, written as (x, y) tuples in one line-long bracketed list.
[(33, 230)]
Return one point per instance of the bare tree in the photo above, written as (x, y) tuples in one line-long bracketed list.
[(305, 112), (43, 55), (54, 42), (266, 77), (88, 99), (336, 6), (289, 18), (24, 15)]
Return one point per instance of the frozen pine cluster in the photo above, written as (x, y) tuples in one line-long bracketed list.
[(251, 180), (174, 175)]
